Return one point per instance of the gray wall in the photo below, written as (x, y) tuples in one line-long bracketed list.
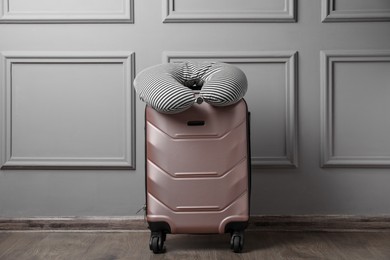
[(72, 129)]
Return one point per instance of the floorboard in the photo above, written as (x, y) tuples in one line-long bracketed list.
[(134, 245)]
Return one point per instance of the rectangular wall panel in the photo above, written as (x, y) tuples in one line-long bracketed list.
[(271, 98), (355, 10), (68, 110), (61, 11), (355, 108), (229, 11)]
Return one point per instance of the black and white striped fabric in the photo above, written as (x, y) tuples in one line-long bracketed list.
[(168, 88)]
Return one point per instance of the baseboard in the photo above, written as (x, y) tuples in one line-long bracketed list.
[(307, 223), (73, 223), (322, 223)]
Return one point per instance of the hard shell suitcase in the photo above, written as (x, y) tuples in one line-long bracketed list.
[(198, 172)]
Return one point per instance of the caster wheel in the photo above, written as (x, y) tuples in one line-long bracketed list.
[(237, 242), (156, 243)]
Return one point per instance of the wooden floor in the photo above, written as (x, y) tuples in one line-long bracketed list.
[(134, 245)]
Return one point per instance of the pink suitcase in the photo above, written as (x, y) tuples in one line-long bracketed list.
[(198, 172)]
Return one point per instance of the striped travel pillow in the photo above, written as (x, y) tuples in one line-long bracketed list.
[(169, 88)]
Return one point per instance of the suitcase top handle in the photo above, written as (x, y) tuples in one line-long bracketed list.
[(196, 123)]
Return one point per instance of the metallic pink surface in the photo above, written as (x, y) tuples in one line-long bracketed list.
[(197, 175)]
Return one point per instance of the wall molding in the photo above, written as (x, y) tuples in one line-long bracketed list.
[(303, 223), (126, 59), (328, 59), (171, 15), (330, 14), (290, 59), (321, 223), (72, 223), (126, 15)]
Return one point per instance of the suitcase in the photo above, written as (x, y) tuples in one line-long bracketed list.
[(198, 172)]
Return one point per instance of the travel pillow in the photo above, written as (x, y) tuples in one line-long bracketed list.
[(175, 87)]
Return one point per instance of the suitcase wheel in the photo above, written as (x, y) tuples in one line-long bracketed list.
[(237, 242), (156, 242)]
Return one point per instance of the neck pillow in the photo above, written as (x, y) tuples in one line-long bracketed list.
[(174, 87)]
